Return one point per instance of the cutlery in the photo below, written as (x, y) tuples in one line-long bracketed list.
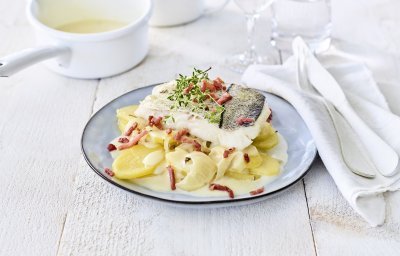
[(326, 85), (352, 150)]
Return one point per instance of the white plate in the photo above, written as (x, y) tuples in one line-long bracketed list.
[(102, 128)]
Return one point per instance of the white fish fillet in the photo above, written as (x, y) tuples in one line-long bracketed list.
[(157, 104)]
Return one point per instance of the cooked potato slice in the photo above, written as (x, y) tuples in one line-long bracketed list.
[(201, 170), (254, 157), (267, 139), (177, 160), (269, 167), (127, 114), (129, 164), (153, 158), (266, 130), (217, 155)]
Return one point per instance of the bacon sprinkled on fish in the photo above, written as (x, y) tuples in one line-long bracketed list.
[(269, 119), (134, 141), (181, 133), (156, 121), (168, 131), (111, 147), (224, 98), (244, 120), (219, 84), (214, 96), (257, 191), (228, 152), (188, 89), (205, 85), (222, 188), (131, 129), (171, 173)]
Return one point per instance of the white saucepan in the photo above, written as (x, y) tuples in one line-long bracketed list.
[(177, 12), (85, 38)]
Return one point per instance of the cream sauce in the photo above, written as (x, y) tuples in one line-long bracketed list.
[(91, 26), (161, 182)]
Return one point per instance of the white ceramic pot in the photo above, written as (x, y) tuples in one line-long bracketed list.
[(106, 37), (177, 12)]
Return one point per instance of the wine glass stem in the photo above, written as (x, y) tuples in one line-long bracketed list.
[(251, 24)]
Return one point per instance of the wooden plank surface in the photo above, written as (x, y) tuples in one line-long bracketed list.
[(41, 116), (53, 204), (128, 225)]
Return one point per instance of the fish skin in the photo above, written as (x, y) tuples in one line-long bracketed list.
[(245, 102)]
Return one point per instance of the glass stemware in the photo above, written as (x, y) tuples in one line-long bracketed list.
[(252, 10)]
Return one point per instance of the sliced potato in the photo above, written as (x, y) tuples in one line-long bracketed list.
[(217, 155), (129, 164), (269, 167), (267, 144), (237, 164), (177, 160), (127, 114), (267, 139), (158, 136), (202, 169), (266, 130), (153, 158), (169, 143), (254, 156)]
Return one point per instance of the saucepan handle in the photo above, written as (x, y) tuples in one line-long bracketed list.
[(17, 61)]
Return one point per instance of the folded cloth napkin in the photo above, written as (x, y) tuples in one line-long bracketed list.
[(364, 195)]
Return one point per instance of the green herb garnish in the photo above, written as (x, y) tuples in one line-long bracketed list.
[(196, 100)]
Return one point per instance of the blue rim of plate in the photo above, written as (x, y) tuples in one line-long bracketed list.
[(227, 201)]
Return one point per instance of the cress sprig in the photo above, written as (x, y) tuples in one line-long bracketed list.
[(195, 98)]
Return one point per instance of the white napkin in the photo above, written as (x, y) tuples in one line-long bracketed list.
[(364, 195)]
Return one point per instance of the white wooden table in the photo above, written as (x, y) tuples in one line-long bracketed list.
[(52, 203)]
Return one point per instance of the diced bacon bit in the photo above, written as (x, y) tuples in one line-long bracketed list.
[(228, 152), (218, 84), (269, 119), (224, 88), (150, 119), (156, 121), (188, 89), (244, 120), (257, 191), (214, 96), (222, 188), (123, 140), (246, 157), (109, 172), (181, 133), (134, 141), (195, 143), (171, 173), (195, 100), (224, 98), (111, 147), (131, 129), (169, 131), (207, 85)]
